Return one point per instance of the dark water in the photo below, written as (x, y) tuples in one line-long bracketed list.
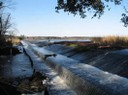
[(15, 66)]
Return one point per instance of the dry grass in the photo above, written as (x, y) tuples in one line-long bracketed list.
[(13, 40), (115, 41)]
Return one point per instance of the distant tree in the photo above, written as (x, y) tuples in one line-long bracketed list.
[(82, 7)]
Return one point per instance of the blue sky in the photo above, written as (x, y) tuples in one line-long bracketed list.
[(38, 18)]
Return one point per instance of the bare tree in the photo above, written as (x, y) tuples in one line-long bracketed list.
[(5, 22)]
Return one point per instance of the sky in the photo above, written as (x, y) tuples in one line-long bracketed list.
[(38, 18)]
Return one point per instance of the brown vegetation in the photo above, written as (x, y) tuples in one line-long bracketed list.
[(108, 42), (112, 41)]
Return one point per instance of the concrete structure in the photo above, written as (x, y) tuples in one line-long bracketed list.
[(56, 85), (83, 78)]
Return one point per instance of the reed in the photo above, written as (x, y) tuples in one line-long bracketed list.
[(115, 41)]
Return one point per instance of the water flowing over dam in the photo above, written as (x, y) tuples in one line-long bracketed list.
[(87, 73), (113, 61)]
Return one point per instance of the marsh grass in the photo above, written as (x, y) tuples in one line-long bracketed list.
[(114, 41), (98, 43)]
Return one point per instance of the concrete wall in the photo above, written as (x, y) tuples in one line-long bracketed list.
[(83, 78)]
